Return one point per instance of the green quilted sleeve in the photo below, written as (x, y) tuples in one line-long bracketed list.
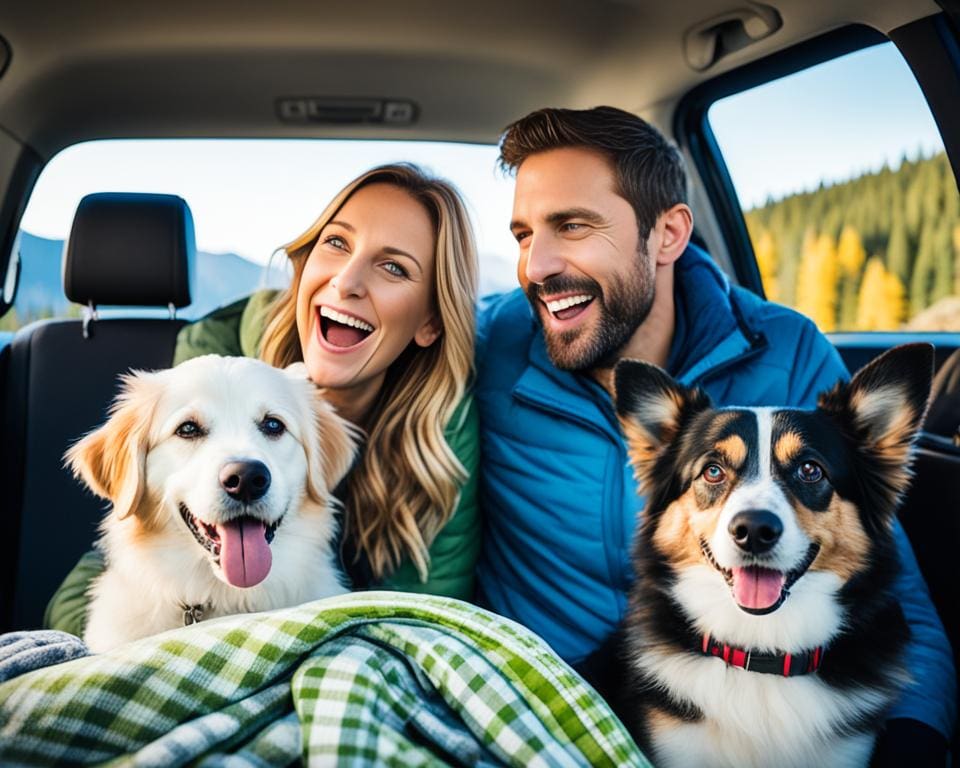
[(454, 552), (234, 330), (67, 610)]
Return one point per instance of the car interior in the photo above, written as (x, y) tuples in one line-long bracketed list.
[(412, 71)]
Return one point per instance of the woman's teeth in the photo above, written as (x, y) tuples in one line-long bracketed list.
[(339, 317)]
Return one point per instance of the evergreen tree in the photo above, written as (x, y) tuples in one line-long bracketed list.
[(898, 250), (924, 269)]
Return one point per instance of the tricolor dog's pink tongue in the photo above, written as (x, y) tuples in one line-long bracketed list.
[(757, 588), (244, 553)]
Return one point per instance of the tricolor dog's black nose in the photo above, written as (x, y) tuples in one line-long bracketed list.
[(755, 531), (245, 481)]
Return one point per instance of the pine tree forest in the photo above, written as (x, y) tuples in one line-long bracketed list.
[(879, 252)]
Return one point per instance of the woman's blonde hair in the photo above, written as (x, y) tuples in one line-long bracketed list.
[(407, 483)]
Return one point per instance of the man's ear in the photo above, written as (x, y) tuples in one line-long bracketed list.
[(882, 408), (429, 332), (112, 460), (652, 408), (674, 227)]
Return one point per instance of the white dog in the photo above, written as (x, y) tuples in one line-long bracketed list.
[(220, 474)]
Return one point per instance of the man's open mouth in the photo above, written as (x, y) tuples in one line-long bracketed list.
[(760, 590), (569, 306), (342, 330), (241, 546)]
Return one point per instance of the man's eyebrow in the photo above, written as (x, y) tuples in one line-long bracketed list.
[(557, 217), (591, 217)]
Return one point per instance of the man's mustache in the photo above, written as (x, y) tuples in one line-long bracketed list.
[(563, 284)]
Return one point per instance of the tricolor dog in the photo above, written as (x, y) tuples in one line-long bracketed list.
[(761, 630), (219, 473)]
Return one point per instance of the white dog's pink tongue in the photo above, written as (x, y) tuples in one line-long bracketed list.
[(244, 553), (757, 588)]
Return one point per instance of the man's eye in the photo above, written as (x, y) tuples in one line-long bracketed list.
[(713, 474), (271, 426), (395, 269), (189, 430), (521, 236)]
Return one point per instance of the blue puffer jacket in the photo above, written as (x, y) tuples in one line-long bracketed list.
[(557, 491)]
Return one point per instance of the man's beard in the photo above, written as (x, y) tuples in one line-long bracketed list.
[(619, 313)]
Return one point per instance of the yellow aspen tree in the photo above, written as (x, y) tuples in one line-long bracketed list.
[(851, 256), (765, 249), (817, 281), (882, 305)]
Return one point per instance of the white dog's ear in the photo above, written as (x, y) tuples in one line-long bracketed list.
[(332, 450), (112, 460)]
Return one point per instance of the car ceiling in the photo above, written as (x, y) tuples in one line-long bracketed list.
[(102, 69)]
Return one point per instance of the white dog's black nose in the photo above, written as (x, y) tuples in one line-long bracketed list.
[(245, 481), (756, 530)]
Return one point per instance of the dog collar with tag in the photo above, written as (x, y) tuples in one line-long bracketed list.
[(783, 664)]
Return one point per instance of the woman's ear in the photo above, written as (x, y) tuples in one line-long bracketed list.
[(429, 332), (112, 460)]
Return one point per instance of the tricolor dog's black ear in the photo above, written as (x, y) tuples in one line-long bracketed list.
[(882, 408), (652, 408)]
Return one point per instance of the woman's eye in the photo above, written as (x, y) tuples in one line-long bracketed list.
[(189, 430), (810, 472), (336, 241), (713, 473), (271, 426), (395, 269)]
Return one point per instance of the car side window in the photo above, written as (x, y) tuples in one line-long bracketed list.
[(849, 199)]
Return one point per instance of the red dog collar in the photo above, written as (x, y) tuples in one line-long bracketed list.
[(784, 664)]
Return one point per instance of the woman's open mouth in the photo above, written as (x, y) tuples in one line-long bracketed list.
[(341, 330)]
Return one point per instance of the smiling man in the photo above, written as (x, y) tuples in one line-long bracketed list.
[(607, 272)]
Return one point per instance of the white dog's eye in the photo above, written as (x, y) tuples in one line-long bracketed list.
[(271, 426), (189, 430)]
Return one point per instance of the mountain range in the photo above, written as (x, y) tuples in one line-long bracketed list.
[(220, 279)]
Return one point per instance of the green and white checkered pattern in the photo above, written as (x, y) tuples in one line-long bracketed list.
[(375, 677)]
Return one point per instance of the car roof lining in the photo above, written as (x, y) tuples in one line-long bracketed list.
[(103, 69)]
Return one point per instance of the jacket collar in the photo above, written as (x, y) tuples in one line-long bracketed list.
[(713, 325)]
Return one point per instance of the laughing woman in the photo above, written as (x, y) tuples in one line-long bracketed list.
[(381, 312)]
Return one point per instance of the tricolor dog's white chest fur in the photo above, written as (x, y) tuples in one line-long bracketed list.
[(761, 628)]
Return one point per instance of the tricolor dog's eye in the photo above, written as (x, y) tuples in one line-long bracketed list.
[(271, 426), (713, 473), (810, 472), (189, 430)]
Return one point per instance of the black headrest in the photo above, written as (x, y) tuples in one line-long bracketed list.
[(130, 249)]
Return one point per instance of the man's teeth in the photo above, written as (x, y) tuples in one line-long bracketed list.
[(343, 319), (569, 301)]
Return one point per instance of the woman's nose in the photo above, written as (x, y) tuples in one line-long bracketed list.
[(350, 281)]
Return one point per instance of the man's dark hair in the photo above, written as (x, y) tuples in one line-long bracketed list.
[(648, 169)]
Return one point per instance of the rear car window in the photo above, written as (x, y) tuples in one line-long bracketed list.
[(248, 198), (849, 199)]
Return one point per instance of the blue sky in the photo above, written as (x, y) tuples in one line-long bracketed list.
[(249, 197)]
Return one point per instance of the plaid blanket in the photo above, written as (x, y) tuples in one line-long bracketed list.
[(385, 677)]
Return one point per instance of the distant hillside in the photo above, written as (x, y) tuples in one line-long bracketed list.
[(220, 279)]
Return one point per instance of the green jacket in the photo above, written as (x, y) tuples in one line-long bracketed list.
[(235, 330)]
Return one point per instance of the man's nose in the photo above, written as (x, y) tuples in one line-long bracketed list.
[(542, 260)]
